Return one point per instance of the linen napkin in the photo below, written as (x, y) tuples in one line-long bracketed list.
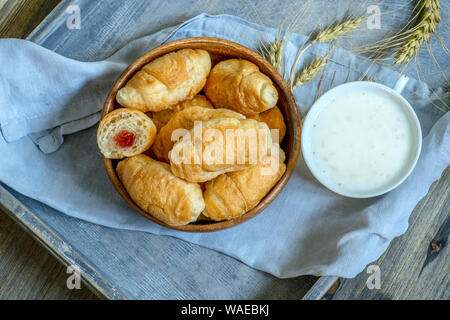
[(46, 101)]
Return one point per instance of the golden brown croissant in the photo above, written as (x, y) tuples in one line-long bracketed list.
[(157, 191), (239, 85), (219, 146), (166, 81), (232, 194), (185, 119), (162, 117), (274, 119), (125, 132)]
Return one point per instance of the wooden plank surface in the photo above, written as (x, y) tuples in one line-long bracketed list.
[(399, 265), (416, 265), (19, 17), (27, 270)]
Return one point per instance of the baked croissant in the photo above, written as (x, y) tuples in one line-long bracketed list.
[(232, 194), (166, 81), (185, 119), (239, 85), (222, 145), (274, 119), (157, 191), (162, 117), (125, 132)]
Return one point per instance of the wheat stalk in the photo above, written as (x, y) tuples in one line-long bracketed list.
[(275, 54), (327, 35), (429, 16), (275, 51), (332, 33), (311, 71)]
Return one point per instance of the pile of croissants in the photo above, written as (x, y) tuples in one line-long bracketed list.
[(162, 97)]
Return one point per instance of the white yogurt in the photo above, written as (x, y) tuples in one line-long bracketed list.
[(361, 141)]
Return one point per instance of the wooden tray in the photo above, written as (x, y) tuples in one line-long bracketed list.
[(122, 264)]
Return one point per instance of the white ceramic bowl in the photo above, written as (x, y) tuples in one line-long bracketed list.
[(361, 86)]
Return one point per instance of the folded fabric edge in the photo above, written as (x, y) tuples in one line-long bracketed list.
[(49, 141)]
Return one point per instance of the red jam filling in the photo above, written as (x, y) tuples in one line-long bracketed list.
[(124, 139)]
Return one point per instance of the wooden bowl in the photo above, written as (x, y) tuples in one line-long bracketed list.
[(219, 49)]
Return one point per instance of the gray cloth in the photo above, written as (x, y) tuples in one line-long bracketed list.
[(306, 230)]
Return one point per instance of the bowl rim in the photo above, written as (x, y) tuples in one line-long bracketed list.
[(318, 106), (266, 68)]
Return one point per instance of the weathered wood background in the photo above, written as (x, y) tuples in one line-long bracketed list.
[(27, 270), (415, 266)]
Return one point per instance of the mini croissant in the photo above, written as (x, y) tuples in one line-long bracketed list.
[(157, 191), (232, 194), (274, 119), (222, 145), (125, 132), (185, 119), (162, 117), (166, 81), (239, 85)]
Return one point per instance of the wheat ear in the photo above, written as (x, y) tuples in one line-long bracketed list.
[(275, 54), (311, 71), (428, 18), (327, 35), (332, 33)]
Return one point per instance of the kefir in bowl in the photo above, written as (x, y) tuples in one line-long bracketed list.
[(361, 139)]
